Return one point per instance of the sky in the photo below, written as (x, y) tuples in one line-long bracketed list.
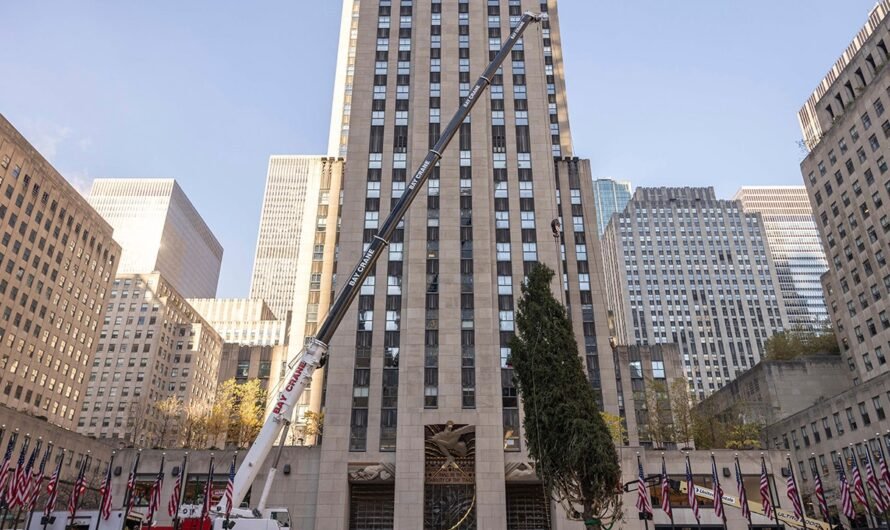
[(661, 93)]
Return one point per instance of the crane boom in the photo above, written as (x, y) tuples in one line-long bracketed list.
[(315, 348)]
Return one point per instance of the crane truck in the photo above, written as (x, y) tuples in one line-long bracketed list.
[(315, 349)]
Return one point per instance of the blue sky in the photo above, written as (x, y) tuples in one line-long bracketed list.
[(686, 92)]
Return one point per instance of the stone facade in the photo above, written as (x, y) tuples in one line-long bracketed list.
[(847, 178), (644, 376), (297, 485), (685, 267), (57, 261), (445, 291), (774, 390), (153, 346)]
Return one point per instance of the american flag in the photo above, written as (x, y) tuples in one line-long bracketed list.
[(885, 472), (230, 487), (643, 504), (173, 505), (690, 492), (19, 477), (37, 479), (765, 496), (793, 494), (872, 480), (858, 488), (718, 490), (208, 493), (154, 497), (52, 489), (80, 486), (743, 495), (105, 492), (130, 493), (4, 468), (665, 490), (23, 489), (820, 494), (846, 498)]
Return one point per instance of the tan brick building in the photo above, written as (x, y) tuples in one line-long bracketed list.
[(153, 346), (427, 341), (57, 260)]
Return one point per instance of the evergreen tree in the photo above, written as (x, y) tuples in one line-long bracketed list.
[(566, 435)]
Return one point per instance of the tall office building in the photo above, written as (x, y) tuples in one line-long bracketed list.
[(847, 127), (160, 230), (289, 212), (153, 346), (58, 260), (445, 291), (685, 267), (611, 197), (793, 242)]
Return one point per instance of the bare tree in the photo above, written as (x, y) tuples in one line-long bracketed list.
[(168, 412), (681, 408)]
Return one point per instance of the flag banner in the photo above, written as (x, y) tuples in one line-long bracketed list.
[(743, 495), (644, 506), (665, 490)]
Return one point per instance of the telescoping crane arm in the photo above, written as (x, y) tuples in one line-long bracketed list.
[(316, 347)]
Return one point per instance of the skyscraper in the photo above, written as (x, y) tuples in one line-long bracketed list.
[(160, 230), (685, 267), (611, 196), (59, 260), (847, 128), (793, 242), (153, 346), (424, 354), (289, 211)]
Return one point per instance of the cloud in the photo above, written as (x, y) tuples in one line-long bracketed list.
[(80, 179), (50, 139), (47, 137)]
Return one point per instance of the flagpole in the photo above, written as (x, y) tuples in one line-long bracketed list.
[(21, 495), (718, 489), (107, 492), (76, 500), (183, 484), (229, 507), (773, 495), (3, 493), (868, 510), (665, 477), (740, 479), (803, 511), (882, 478), (36, 494), (130, 490), (691, 486), (871, 463), (208, 491), (643, 514), (868, 515), (51, 500), (11, 485)]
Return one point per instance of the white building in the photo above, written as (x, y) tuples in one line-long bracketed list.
[(794, 244), (160, 230), (289, 211)]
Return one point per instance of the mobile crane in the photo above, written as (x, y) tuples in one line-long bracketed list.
[(315, 350)]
